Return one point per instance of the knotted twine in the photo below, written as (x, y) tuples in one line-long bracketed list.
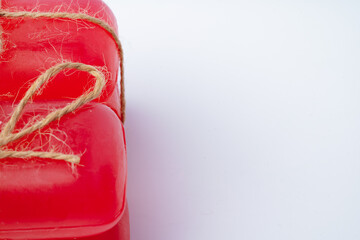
[(7, 134)]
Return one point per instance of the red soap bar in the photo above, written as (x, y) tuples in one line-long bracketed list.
[(31, 46), (47, 198)]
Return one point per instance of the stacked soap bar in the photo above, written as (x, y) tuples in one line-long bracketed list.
[(47, 198)]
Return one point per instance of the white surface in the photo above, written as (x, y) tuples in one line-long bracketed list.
[(243, 118)]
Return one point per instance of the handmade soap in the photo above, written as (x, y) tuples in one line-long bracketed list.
[(43, 196)]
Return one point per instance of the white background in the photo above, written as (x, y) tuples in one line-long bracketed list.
[(243, 118)]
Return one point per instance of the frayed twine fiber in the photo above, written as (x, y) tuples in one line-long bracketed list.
[(7, 136), (78, 16)]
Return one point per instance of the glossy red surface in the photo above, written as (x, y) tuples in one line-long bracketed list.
[(119, 232), (45, 198)]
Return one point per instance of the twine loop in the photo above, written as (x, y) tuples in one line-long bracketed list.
[(7, 134), (84, 17)]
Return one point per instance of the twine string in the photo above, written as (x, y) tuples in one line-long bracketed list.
[(7, 134), (79, 16)]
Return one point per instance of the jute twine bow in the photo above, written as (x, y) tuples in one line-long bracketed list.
[(7, 134), (85, 17)]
